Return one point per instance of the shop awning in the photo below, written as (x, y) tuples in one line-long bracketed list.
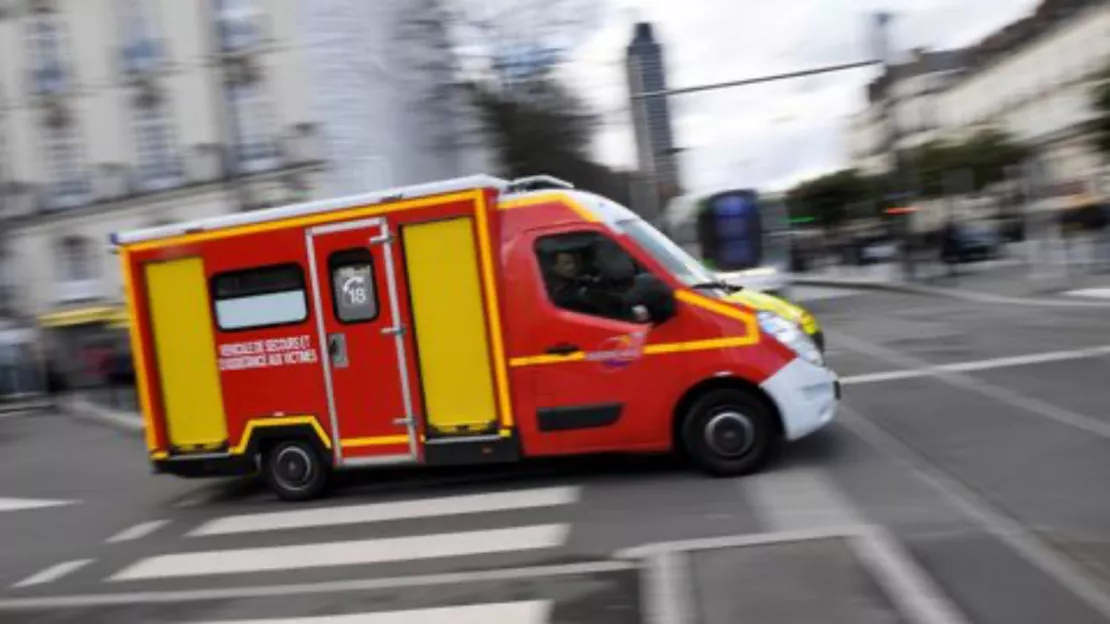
[(115, 316)]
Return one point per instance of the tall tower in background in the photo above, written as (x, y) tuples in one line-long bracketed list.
[(651, 119)]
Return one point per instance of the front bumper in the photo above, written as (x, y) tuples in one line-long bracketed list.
[(807, 397)]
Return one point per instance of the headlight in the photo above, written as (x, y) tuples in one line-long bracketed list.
[(789, 334)]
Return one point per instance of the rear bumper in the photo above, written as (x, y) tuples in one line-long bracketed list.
[(207, 465), (807, 397)]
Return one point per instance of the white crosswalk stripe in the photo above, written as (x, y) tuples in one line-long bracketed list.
[(20, 504), (1094, 293), (297, 541), (299, 556), (381, 512), (526, 612), (53, 573)]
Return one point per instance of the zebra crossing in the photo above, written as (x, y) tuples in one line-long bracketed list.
[(340, 541), (539, 554)]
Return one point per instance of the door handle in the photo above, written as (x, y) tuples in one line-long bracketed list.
[(337, 350), (563, 348)]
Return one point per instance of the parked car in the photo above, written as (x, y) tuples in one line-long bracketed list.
[(977, 242)]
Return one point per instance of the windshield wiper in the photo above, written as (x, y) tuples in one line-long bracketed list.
[(719, 285)]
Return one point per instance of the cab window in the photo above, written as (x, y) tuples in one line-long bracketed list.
[(587, 272)]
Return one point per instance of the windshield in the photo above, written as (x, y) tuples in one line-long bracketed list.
[(680, 264)]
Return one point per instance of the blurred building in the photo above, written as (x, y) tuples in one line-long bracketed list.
[(912, 91), (651, 121), (381, 82), (122, 114), (1032, 79)]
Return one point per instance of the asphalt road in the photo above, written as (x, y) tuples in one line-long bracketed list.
[(966, 480)]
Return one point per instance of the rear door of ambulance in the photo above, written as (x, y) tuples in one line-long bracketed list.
[(185, 381)]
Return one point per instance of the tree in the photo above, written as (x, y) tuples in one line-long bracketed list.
[(498, 60), (948, 168), (834, 198)]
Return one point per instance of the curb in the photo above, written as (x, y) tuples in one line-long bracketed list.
[(950, 293), (12, 407), (87, 410)]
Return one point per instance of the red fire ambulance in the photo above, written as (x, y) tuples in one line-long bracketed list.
[(472, 320)]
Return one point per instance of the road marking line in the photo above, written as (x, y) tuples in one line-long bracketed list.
[(668, 589), (977, 365), (1098, 293), (20, 504), (797, 499), (429, 546), (192, 500), (381, 512), (917, 597), (954, 377), (997, 523), (138, 531), (914, 591), (53, 573), (525, 612), (306, 589)]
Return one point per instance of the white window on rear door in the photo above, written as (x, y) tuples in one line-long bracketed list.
[(352, 282)]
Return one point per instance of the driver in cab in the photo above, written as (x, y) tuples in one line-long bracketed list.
[(582, 286)]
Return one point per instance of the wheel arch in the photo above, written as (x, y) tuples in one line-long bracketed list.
[(706, 386), (262, 435)]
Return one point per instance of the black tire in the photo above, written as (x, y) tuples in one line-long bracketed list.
[(295, 470), (730, 432)]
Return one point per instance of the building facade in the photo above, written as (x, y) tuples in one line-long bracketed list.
[(1031, 79), (651, 120), (123, 114), (902, 108)]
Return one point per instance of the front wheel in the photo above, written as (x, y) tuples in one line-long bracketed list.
[(295, 471), (730, 433)]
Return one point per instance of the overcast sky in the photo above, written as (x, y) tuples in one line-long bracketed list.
[(768, 135)]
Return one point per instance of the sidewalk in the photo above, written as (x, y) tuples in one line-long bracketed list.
[(1010, 279), (81, 405)]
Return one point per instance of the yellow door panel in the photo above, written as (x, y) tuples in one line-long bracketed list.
[(186, 353), (455, 367)]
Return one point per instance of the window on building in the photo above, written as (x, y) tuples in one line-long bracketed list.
[(260, 297), (254, 141), (142, 47), (237, 23), (47, 47), (75, 259), (68, 186), (158, 167), (354, 294), (587, 273)]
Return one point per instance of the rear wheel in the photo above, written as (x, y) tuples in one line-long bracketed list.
[(730, 432), (295, 470)]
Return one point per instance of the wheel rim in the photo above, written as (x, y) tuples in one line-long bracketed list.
[(294, 468), (730, 434)]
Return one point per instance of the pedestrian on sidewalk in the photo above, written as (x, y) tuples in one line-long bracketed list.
[(56, 385), (949, 247), (121, 378)]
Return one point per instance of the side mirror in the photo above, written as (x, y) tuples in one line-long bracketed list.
[(655, 299)]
